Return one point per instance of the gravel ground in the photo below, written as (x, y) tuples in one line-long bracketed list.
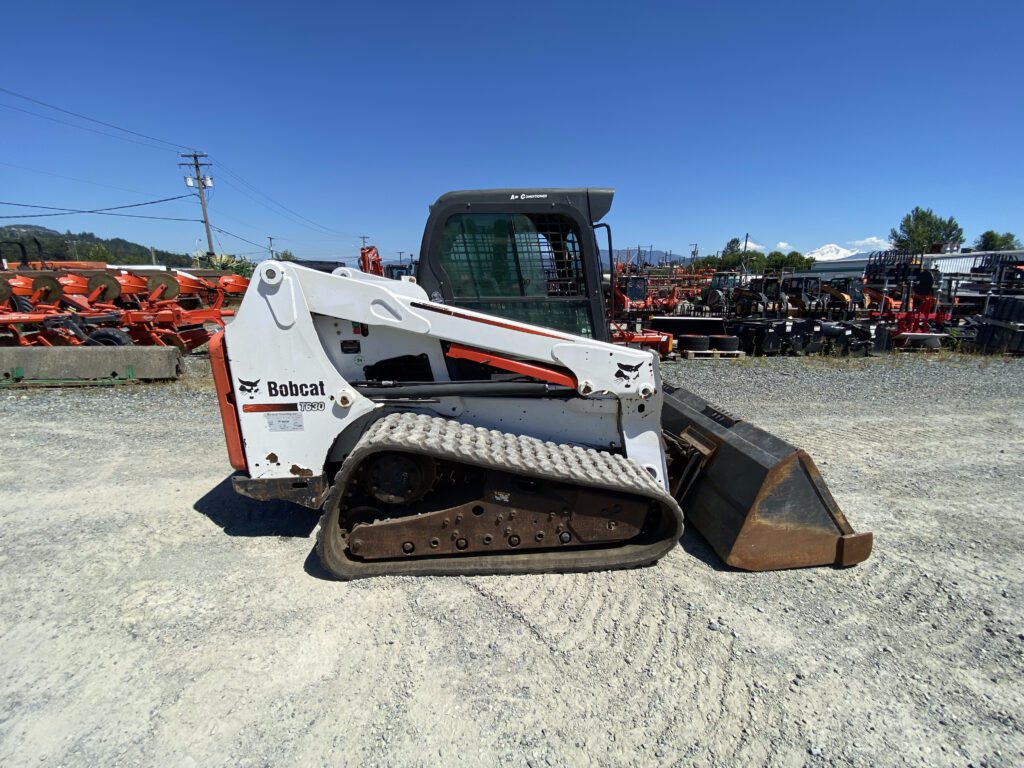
[(150, 616)]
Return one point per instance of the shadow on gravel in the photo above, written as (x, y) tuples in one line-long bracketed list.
[(697, 546), (314, 568), (241, 516)]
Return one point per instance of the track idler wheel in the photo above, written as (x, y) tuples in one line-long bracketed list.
[(398, 478)]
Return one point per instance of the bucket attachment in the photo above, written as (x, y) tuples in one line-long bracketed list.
[(759, 501)]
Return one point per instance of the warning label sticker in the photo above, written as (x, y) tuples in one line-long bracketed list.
[(284, 422)]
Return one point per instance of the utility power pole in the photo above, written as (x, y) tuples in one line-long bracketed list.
[(400, 253), (201, 183), (746, 239), (152, 255), (364, 238), (270, 245)]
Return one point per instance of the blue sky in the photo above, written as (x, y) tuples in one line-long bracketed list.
[(802, 123)]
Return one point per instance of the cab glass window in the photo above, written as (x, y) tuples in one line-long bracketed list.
[(526, 267)]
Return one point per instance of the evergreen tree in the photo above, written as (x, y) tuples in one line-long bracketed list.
[(921, 231), (993, 241)]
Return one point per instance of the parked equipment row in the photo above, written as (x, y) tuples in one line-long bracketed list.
[(61, 307)]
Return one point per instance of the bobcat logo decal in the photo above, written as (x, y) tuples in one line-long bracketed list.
[(628, 372), (249, 387)]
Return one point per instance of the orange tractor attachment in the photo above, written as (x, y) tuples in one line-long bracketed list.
[(113, 308)]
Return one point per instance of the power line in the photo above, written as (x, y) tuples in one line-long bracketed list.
[(280, 205), (275, 202), (72, 178), (221, 214), (84, 128), (263, 248), (295, 216), (94, 120), (219, 244), (98, 211), (286, 216)]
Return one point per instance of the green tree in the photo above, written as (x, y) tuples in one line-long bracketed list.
[(921, 231), (733, 246), (797, 260), (243, 267), (707, 262), (285, 255), (98, 252), (993, 241), (237, 264), (750, 261), (792, 260)]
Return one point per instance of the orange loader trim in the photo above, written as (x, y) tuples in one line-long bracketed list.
[(226, 401), (515, 366)]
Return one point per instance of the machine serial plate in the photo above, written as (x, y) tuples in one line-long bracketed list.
[(284, 422)]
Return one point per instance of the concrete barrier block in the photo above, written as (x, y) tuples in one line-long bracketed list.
[(57, 366)]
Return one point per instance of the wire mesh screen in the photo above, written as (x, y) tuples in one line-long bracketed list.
[(527, 267), (502, 255)]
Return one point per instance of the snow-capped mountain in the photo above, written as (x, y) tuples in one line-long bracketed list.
[(830, 252)]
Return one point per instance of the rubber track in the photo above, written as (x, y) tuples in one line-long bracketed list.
[(526, 456)]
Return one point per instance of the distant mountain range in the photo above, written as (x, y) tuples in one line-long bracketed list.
[(80, 246)]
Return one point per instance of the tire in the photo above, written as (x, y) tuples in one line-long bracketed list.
[(21, 304), (724, 343), (689, 342), (110, 337)]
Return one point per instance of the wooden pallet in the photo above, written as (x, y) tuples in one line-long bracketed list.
[(710, 354)]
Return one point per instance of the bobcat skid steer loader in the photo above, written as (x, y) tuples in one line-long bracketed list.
[(346, 391), (441, 440)]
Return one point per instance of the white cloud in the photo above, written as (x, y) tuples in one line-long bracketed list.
[(752, 246), (782, 245), (871, 244)]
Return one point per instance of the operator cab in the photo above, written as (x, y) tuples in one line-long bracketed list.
[(636, 289), (852, 287), (725, 282), (528, 255), (398, 271)]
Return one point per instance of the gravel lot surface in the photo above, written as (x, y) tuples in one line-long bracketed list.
[(150, 616)]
